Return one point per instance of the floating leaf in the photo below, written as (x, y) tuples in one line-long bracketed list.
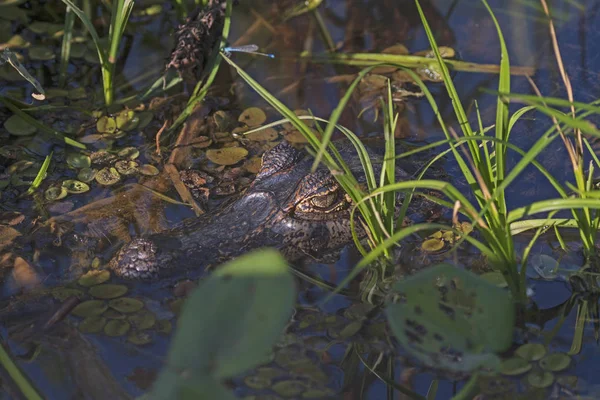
[(75, 186), (495, 278), (55, 193), (108, 176), (143, 320), (252, 116), (127, 120), (139, 338), (164, 326), (126, 305), (257, 382), (200, 142), (531, 351), (90, 308), (78, 160), (515, 366), (223, 120), (93, 278), (227, 156), (452, 319), (87, 174), (265, 135), (108, 291), (255, 295), (432, 245), (145, 118), (289, 388), (555, 362), (126, 167), (92, 324), (116, 327), (545, 266), (149, 170), (540, 379), (15, 125), (106, 125), (41, 53), (129, 152)]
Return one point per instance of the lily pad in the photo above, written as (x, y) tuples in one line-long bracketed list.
[(139, 338), (145, 118), (126, 305), (555, 362), (17, 126), (252, 116), (108, 291), (92, 324), (94, 277), (545, 265), (164, 326), (495, 278), (515, 366), (129, 152), (75, 186), (107, 176), (90, 308), (452, 319), (266, 135), (227, 156), (127, 120), (257, 382), (106, 125), (116, 327), (143, 320), (55, 193), (432, 245), (126, 167), (531, 351), (201, 142), (78, 160), (87, 174), (41, 53), (149, 170), (223, 120), (540, 379)]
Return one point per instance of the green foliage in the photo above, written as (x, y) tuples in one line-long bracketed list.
[(451, 319), (107, 53), (228, 325)]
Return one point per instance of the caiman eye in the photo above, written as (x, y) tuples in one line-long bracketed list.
[(324, 201), (322, 206)]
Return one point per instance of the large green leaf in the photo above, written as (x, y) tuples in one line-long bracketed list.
[(451, 319), (230, 322)]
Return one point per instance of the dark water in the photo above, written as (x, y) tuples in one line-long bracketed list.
[(370, 26)]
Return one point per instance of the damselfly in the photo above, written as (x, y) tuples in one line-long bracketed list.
[(248, 48)]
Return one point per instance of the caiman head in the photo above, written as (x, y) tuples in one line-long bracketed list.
[(286, 207)]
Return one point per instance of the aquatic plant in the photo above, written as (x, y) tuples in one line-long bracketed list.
[(107, 48)]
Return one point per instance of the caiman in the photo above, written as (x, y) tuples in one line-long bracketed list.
[(286, 207)]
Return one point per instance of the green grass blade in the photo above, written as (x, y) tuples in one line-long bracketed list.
[(32, 121), (501, 112), (65, 50), (552, 205), (40, 175), (17, 376)]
